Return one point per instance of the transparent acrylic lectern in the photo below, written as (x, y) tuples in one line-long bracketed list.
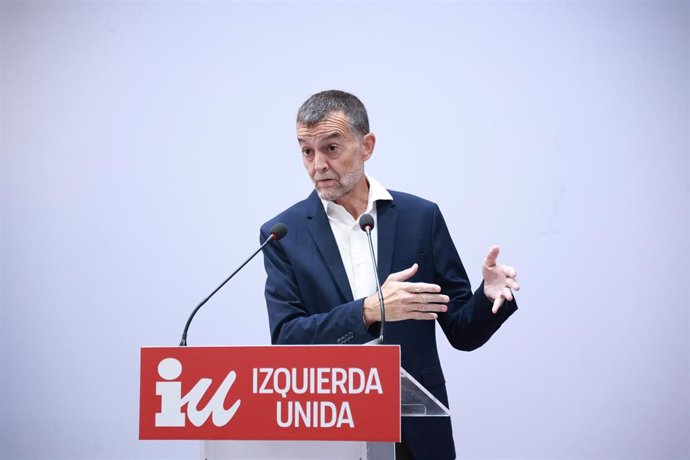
[(415, 401)]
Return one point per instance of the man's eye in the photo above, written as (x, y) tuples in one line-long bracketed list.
[(306, 152), (332, 148)]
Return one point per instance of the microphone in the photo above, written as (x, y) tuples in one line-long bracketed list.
[(278, 231), (366, 223)]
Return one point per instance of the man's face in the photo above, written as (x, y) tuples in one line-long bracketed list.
[(333, 155)]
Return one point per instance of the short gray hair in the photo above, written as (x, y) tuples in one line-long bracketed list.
[(321, 105)]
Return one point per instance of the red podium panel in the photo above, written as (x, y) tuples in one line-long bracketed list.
[(339, 392)]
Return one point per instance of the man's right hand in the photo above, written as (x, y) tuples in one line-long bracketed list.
[(404, 300)]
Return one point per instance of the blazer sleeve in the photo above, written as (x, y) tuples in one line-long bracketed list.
[(469, 322), (294, 316)]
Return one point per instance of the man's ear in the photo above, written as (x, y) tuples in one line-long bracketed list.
[(368, 142)]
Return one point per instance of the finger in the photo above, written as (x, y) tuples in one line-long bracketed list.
[(404, 275), (430, 298), (512, 284), (421, 315), (497, 304), (510, 272), (490, 260), (507, 293), (427, 308), (419, 288)]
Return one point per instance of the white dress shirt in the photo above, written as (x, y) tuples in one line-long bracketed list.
[(352, 241)]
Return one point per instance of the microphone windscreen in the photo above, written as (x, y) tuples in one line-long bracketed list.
[(366, 221), (278, 230)]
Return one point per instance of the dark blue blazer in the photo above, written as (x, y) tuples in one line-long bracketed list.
[(309, 298)]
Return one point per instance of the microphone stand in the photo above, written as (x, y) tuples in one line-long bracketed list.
[(366, 223), (277, 232)]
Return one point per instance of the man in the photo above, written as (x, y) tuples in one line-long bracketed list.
[(320, 285)]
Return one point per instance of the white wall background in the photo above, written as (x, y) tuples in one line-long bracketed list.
[(143, 143)]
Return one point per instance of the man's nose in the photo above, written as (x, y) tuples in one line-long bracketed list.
[(320, 161)]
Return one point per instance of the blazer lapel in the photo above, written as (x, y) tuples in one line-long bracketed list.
[(386, 220), (322, 234)]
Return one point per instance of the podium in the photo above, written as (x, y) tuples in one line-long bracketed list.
[(281, 402)]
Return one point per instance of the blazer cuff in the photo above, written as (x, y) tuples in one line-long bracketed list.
[(357, 333)]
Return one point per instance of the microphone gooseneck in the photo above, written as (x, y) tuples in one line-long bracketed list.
[(366, 223), (278, 231)]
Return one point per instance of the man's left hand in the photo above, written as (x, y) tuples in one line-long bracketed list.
[(499, 280)]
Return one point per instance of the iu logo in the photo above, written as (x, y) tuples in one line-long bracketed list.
[(172, 400)]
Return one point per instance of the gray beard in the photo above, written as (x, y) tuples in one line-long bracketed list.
[(347, 181)]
